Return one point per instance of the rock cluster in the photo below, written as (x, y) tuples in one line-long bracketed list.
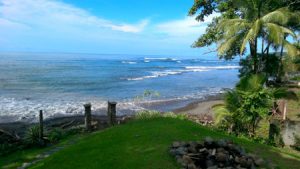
[(213, 154)]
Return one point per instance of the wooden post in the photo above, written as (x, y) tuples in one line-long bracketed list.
[(284, 110), (41, 125), (111, 112), (88, 116)]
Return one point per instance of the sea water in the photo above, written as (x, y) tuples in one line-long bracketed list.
[(60, 84)]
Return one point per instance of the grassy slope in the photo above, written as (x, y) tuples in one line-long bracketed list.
[(16, 159), (144, 144)]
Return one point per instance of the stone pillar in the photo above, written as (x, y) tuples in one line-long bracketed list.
[(41, 125), (111, 113), (87, 116)]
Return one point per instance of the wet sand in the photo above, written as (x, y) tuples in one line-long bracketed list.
[(199, 108)]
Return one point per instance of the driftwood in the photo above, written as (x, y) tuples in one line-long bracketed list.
[(66, 125), (11, 136)]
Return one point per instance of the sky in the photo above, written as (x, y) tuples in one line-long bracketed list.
[(148, 27)]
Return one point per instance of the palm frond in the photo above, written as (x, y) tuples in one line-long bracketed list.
[(291, 49), (252, 34), (221, 112), (280, 16)]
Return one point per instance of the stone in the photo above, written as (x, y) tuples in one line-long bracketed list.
[(186, 159), (259, 162), (180, 151), (221, 157), (244, 162), (213, 167), (208, 141), (191, 166), (176, 144), (221, 143), (210, 163), (213, 153)]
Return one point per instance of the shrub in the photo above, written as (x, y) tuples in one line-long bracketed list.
[(149, 114), (55, 135), (32, 137)]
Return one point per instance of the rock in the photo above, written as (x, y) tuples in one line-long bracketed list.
[(237, 159), (180, 151), (186, 159), (208, 141), (244, 162), (213, 167), (221, 143), (221, 157), (176, 144), (259, 162), (191, 166), (210, 163), (213, 153)]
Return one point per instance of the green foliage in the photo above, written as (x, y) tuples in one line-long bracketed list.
[(246, 105), (150, 114), (55, 135), (32, 137), (243, 23), (141, 143), (147, 95), (296, 145)]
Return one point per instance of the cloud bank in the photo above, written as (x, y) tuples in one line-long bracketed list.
[(52, 25)]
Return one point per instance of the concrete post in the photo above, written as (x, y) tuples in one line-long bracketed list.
[(87, 116), (111, 112)]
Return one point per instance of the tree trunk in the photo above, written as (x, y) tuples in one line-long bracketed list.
[(253, 54)]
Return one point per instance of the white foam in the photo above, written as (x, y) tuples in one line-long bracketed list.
[(212, 67), (27, 110), (156, 74), (162, 58), (129, 62)]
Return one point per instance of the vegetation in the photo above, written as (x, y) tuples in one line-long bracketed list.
[(269, 30), (145, 144), (246, 22)]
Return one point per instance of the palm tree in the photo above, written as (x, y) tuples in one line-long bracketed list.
[(272, 28), (250, 102)]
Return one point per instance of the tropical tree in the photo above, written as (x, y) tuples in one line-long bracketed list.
[(244, 22), (247, 104)]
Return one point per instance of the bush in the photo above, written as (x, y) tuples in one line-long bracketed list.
[(32, 137), (296, 146), (149, 114), (55, 135)]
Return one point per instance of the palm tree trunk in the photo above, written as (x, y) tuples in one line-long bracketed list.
[(253, 54)]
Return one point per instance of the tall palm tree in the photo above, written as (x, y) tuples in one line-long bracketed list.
[(271, 27)]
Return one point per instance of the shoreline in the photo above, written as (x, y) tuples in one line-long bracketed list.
[(195, 107)]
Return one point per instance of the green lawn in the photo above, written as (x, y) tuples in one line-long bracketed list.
[(144, 144)]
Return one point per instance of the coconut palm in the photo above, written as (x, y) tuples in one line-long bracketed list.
[(272, 28), (248, 103)]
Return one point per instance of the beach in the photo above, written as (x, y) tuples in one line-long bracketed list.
[(195, 108)]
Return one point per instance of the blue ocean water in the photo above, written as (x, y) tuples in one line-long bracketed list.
[(61, 83)]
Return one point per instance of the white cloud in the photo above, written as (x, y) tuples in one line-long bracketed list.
[(185, 26), (53, 14)]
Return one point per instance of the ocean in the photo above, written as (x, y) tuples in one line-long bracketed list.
[(60, 84)]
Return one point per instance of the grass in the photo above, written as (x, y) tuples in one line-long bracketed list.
[(293, 107), (144, 144), (16, 159)]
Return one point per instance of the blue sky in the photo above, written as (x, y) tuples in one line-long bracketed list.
[(150, 27)]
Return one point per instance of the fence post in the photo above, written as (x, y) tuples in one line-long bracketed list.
[(111, 113), (41, 125), (87, 116)]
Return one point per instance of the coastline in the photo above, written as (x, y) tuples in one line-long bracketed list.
[(195, 108)]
